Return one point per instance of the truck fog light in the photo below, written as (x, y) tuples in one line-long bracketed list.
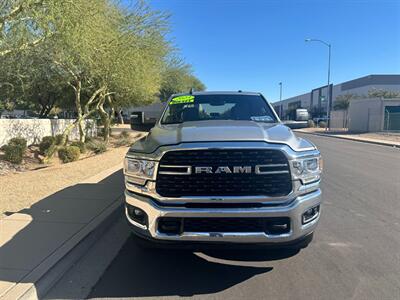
[(137, 215), (310, 214)]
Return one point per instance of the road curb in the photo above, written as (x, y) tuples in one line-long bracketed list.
[(351, 139), (48, 272)]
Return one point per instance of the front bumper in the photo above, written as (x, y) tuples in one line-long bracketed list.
[(293, 210)]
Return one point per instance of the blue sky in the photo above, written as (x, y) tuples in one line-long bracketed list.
[(254, 44)]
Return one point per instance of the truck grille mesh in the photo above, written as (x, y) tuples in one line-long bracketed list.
[(274, 225), (234, 184)]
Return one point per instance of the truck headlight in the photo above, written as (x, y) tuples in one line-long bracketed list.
[(307, 169), (140, 167)]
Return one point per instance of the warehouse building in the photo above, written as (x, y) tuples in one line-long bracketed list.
[(316, 102)]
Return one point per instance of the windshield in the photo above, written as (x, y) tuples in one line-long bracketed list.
[(217, 107)]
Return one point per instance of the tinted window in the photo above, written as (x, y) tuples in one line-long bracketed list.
[(217, 107)]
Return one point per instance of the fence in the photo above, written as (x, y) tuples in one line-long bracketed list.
[(391, 120), (33, 130), (338, 119)]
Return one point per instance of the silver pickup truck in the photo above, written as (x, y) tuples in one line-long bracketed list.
[(220, 168)]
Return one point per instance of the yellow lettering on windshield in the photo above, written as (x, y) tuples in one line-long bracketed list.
[(182, 100)]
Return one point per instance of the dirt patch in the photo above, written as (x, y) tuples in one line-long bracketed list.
[(392, 137), (21, 190), (387, 137), (21, 186)]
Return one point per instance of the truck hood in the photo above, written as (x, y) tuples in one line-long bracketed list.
[(220, 131)]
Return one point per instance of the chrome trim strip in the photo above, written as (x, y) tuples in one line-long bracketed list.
[(273, 165), (187, 172), (298, 190), (258, 167), (230, 235), (271, 172)]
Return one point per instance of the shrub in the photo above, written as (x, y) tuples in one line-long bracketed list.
[(97, 146), (47, 145), (322, 124), (124, 134), (69, 153), (58, 139), (102, 132), (18, 141), (311, 124), (123, 142), (14, 153), (80, 145)]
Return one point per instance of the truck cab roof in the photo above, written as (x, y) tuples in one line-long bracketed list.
[(195, 93)]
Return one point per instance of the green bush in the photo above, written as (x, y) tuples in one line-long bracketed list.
[(69, 153), (124, 134), (311, 124), (14, 152), (47, 145), (18, 141), (123, 142), (322, 124), (80, 145), (58, 139), (97, 146)]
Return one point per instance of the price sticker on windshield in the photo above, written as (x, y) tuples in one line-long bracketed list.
[(182, 100)]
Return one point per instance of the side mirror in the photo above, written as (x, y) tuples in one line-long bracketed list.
[(140, 122)]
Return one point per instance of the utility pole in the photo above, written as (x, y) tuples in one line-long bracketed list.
[(280, 99), (328, 96)]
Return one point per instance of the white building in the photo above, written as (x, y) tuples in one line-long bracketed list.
[(316, 100)]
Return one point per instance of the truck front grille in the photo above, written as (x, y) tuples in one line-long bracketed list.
[(176, 176)]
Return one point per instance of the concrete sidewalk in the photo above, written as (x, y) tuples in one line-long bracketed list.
[(353, 137), (34, 240)]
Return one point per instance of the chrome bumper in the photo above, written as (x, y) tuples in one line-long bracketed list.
[(294, 210)]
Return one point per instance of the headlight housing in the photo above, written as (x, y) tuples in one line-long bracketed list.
[(307, 169), (140, 168)]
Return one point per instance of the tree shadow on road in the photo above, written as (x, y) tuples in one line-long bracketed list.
[(137, 272)]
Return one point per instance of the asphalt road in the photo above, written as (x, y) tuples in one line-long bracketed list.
[(355, 253)]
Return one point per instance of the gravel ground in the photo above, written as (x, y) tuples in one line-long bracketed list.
[(21, 190), (393, 137), (379, 136), (6, 168)]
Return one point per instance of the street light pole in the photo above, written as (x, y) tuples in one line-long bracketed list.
[(328, 107), (280, 99)]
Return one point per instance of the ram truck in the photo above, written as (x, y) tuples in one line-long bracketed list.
[(219, 168)]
